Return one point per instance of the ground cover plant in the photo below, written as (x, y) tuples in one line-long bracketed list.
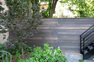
[(4, 55), (81, 60)]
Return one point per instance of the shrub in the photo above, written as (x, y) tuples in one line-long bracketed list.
[(45, 55), (16, 49), (20, 19), (81, 60)]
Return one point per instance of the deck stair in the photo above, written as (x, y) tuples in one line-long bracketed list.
[(87, 43)]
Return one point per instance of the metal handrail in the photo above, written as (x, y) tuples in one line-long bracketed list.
[(87, 30), (90, 34)]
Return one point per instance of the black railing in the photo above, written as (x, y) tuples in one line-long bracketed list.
[(87, 43)]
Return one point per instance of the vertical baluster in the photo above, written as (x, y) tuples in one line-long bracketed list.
[(83, 47)]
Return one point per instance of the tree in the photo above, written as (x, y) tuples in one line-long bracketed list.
[(54, 2), (83, 7), (51, 9), (19, 20)]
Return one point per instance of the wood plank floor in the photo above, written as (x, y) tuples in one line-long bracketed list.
[(61, 32)]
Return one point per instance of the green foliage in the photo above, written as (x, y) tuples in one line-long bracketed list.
[(16, 49), (8, 59), (4, 56), (46, 14), (28, 3), (45, 55), (34, 1), (44, 0), (84, 8), (26, 60), (17, 56), (2, 47), (81, 60), (20, 20)]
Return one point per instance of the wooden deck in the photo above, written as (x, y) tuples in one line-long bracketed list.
[(61, 32)]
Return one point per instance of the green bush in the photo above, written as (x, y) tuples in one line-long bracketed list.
[(19, 20), (2, 47), (16, 48), (46, 14), (81, 60), (17, 56), (4, 55), (45, 55), (4, 58)]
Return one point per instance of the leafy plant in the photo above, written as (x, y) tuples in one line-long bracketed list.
[(45, 55), (17, 56), (81, 60), (16, 48), (46, 14), (5, 56), (2, 47), (26, 60)]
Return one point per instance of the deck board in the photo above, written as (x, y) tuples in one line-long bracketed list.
[(61, 32)]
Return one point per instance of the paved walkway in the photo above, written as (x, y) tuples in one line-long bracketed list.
[(75, 57)]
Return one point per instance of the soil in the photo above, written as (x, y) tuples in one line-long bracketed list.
[(25, 56)]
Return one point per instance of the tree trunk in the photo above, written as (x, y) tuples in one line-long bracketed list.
[(22, 53), (53, 8)]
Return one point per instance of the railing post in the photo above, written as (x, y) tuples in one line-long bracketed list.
[(83, 47), (80, 44)]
